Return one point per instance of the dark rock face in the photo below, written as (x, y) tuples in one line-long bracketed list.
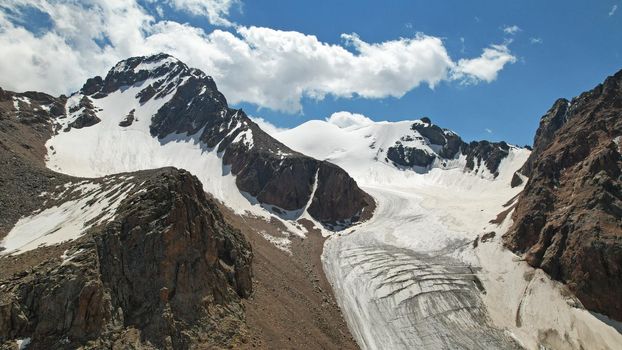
[(170, 251), (568, 220), (86, 118), (337, 195), (490, 153), (550, 123), (264, 168), (447, 145), (167, 268), (129, 119), (409, 156)]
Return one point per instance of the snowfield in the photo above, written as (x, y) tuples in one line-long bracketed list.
[(411, 276)]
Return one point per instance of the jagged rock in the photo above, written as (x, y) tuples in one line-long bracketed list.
[(490, 153), (129, 119), (552, 121), (568, 220), (92, 85), (167, 265), (516, 180), (445, 145), (87, 117), (409, 156)]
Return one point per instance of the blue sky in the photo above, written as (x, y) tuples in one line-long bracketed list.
[(274, 58), (580, 46)]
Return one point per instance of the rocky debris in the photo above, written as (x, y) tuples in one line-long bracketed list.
[(568, 220), (445, 145), (87, 116), (265, 168), (306, 315), (24, 128), (129, 119)]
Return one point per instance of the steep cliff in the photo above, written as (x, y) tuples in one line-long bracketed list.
[(568, 220)]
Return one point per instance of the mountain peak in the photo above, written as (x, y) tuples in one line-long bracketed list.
[(165, 72)]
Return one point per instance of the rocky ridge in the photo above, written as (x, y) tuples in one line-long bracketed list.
[(568, 219), (445, 146)]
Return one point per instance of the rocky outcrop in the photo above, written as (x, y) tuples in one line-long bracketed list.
[(550, 123), (568, 220), (167, 268), (442, 145), (265, 168), (487, 153), (87, 116), (409, 156), (129, 119)]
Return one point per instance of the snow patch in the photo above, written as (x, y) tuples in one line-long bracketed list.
[(67, 221)]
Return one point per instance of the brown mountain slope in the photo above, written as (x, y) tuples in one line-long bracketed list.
[(568, 220)]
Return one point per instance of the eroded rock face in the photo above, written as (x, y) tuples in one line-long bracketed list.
[(568, 220), (167, 267), (87, 116)]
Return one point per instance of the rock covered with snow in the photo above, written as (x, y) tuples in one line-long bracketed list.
[(419, 145), (162, 97)]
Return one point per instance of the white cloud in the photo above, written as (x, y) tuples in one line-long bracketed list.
[(511, 30), (488, 130), (216, 11), (345, 119), (267, 126), (535, 40), (613, 10), (267, 67), (483, 68)]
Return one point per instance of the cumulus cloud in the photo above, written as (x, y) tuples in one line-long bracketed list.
[(267, 67), (613, 10), (535, 40), (484, 68), (346, 119), (511, 30), (216, 11), (267, 126)]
